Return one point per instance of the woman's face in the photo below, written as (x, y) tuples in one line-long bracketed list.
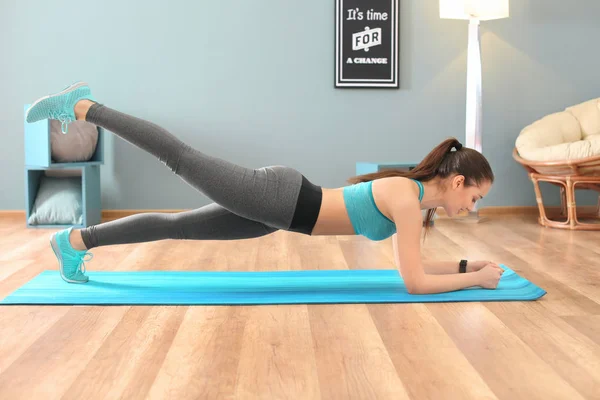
[(459, 197)]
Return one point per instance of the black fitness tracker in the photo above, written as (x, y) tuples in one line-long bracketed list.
[(463, 266)]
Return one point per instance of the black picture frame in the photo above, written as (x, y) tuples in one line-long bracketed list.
[(366, 44)]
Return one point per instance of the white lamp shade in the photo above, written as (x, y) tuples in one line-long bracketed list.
[(479, 9)]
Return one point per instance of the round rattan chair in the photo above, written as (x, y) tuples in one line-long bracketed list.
[(563, 149), (568, 175)]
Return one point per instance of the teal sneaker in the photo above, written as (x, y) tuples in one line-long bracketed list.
[(59, 106), (70, 261)]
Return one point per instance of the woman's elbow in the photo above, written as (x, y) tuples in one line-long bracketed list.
[(414, 287)]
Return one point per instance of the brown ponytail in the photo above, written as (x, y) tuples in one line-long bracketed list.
[(441, 162)]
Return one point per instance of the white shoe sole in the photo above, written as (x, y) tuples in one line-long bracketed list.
[(54, 246), (72, 87)]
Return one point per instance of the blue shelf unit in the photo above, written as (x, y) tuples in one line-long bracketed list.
[(370, 167), (38, 159)]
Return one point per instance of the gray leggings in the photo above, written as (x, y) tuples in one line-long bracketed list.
[(248, 203)]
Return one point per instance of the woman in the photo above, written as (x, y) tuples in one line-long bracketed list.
[(249, 203)]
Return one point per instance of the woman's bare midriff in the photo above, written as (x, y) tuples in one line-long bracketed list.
[(333, 218)]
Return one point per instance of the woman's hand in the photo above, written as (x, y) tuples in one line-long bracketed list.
[(474, 266), (490, 275)]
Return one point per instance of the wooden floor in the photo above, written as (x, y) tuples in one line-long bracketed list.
[(547, 349)]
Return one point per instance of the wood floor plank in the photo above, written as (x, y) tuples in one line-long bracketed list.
[(574, 356), (428, 362), (17, 274), (54, 361), (25, 246), (508, 365), (21, 326), (10, 268), (352, 360), (129, 359), (588, 325), (204, 356), (277, 359)]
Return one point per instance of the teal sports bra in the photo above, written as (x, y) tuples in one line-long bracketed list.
[(366, 218)]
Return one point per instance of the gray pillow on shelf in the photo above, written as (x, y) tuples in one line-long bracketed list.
[(77, 145), (58, 201)]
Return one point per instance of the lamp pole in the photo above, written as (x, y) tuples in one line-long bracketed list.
[(474, 105), (473, 134)]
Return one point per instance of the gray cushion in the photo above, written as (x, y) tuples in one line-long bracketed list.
[(78, 144), (58, 201)]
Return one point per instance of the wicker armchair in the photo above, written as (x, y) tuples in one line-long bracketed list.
[(564, 149)]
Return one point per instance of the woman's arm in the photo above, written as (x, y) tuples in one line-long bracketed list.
[(442, 267), (409, 220), (432, 267)]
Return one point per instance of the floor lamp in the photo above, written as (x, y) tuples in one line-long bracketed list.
[(474, 11)]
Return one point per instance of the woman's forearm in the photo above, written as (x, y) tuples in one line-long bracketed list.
[(441, 267), (431, 283)]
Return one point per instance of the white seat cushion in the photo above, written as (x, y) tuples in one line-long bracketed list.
[(567, 135), (588, 115)]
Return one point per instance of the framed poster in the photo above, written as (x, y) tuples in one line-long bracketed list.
[(366, 43)]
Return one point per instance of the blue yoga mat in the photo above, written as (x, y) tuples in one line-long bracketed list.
[(229, 288)]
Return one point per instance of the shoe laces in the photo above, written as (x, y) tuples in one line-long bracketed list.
[(81, 258), (64, 118)]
